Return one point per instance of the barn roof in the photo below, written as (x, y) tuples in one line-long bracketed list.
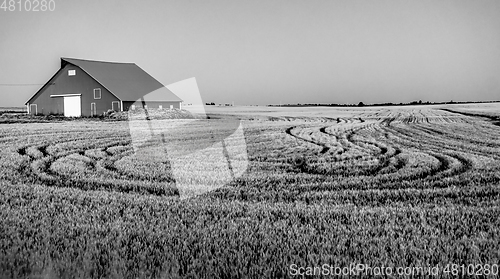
[(125, 80)]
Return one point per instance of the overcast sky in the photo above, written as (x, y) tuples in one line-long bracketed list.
[(269, 51)]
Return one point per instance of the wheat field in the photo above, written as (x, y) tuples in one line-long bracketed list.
[(393, 186)]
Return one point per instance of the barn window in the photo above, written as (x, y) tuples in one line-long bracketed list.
[(71, 72), (97, 93)]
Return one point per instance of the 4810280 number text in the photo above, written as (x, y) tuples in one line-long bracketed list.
[(28, 5)]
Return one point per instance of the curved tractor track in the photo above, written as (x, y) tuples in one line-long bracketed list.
[(393, 150), (102, 160), (430, 146)]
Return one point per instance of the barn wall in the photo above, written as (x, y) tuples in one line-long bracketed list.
[(151, 104), (81, 83)]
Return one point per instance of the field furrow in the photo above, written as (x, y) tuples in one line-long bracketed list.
[(403, 186)]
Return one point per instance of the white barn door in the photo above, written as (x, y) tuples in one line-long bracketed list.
[(72, 106), (115, 106), (33, 109), (93, 110)]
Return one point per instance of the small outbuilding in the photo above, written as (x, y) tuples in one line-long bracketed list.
[(89, 88)]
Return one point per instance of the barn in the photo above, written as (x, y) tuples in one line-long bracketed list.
[(89, 88)]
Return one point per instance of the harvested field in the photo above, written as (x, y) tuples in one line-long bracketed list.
[(411, 186)]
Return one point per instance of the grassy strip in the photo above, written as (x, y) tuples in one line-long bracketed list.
[(70, 233)]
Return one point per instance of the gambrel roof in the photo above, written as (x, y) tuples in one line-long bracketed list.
[(127, 81)]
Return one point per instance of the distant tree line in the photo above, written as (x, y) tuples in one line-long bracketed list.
[(361, 104), (224, 105)]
